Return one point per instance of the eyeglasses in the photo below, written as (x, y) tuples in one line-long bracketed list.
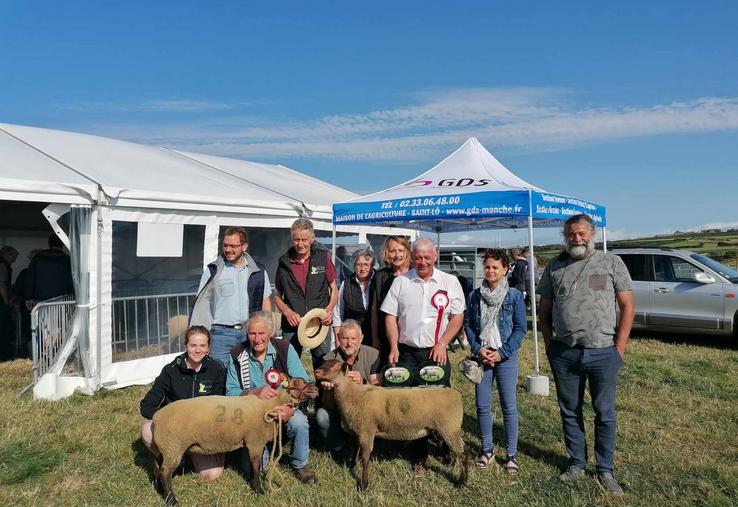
[(226, 246)]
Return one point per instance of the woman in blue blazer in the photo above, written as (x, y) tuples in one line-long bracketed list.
[(495, 325)]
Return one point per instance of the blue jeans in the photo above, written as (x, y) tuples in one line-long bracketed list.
[(506, 375), (223, 340), (572, 367), (329, 424), (298, 432)]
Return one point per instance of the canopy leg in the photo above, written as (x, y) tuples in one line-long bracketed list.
[(537, 383), (604, 239)]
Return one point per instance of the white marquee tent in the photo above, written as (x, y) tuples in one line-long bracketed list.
[(142, 223)]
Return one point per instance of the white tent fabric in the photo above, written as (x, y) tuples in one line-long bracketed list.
[(70, 164), (468, 190)]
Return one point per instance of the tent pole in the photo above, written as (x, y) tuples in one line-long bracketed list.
[(604, 239), (333, 247), (537, 383), (438, 245), (534, 310)]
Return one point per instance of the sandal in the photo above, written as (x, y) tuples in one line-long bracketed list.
[(484, 459), (512, 465)]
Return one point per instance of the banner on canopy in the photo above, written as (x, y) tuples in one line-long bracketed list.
[(561, 207), (462, 205)]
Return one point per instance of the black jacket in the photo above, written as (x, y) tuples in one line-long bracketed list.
[(178, 382), (317, 293)]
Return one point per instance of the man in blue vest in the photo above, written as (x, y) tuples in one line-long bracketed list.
[(232, 287), (306, 279)]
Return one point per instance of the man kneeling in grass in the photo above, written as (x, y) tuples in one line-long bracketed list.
[(363, 362)]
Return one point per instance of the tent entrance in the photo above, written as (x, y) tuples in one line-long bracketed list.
[(24, 228)]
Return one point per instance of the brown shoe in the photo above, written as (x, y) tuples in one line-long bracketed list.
[(305, 475)]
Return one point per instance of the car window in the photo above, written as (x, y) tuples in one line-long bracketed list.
[(636, 264), (673, 269)]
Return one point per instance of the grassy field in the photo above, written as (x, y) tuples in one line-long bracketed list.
[(677, 445)]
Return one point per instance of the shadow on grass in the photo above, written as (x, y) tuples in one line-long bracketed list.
[(707, 341), (470, 426)]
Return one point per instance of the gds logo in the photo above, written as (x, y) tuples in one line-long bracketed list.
[(450, 182)]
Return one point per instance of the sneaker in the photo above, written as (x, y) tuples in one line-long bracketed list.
[(608, 481), (305, 475), (512, 466), (572, 473)]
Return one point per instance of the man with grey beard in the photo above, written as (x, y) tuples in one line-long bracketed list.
[(586, 341)]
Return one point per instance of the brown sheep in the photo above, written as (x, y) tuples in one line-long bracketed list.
[(396, 414), (218, 424)]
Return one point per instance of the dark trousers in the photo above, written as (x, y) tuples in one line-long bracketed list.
[(412, 357), (572, 367)]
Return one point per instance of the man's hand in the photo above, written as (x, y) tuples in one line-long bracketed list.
[(293, 318), (394, 355), (264, 392), (327, 385), (283, 412), (621, 350), (438, 354), (355, 376), (329, 317)]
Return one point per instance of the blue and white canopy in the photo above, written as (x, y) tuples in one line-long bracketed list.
[(468, 190)]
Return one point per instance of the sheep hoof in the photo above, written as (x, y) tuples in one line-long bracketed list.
[(361, 485), (171, 499)]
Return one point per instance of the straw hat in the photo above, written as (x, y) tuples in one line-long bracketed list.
[(311, 332)]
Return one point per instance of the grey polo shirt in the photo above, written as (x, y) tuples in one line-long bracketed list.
[(366, 363), (583, 293)]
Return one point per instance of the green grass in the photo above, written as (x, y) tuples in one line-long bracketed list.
[(677, 445)]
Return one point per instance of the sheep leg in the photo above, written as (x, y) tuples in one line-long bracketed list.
[(255, 459), (455, 444), (168, 466), (366, 443)]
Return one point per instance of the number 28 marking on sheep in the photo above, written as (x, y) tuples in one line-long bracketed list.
[(220, 415)]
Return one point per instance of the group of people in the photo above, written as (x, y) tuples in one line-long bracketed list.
[(405, 313), (48, 275)]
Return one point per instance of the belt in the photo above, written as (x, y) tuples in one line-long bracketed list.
[(229, 326)]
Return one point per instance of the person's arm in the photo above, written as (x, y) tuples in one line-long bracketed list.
[(266, 303), (331, 304), (4, 294), (519, 329), (545, 320), (219, 383), (625, 320), (156, 395), (338, 310), (295, 369), (292, 316), (438, 354), (471, 334), (233, 384), (393, 336)]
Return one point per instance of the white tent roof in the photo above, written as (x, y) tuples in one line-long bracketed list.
[(470, 189), (57, 166)]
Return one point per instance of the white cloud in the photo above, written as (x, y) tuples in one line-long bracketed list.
[(719, 225), (177, 106), (532, 119)]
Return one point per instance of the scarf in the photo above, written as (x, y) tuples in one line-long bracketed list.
[(490, 308)]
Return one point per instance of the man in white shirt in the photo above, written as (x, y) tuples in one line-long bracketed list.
[(425, 311)]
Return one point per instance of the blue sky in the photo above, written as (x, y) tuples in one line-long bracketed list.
[(630, 104)]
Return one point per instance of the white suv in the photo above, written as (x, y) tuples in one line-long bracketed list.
[(682, 291)]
